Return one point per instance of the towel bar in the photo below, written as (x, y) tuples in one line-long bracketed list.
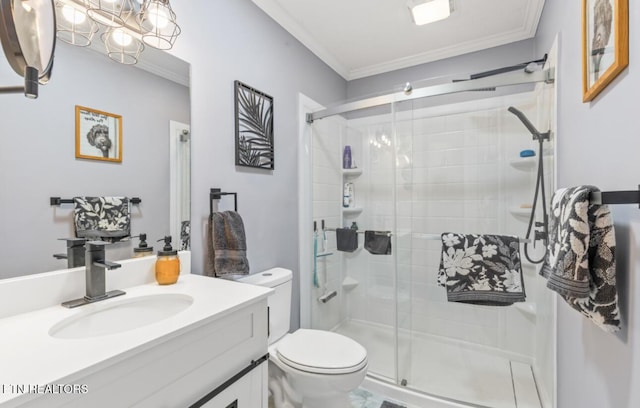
[(59, 201), (437, 237), (358, 231), (216, 194), (616, 197), (434, 237)]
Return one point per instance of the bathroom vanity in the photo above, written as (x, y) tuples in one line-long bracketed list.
[(199, 342)]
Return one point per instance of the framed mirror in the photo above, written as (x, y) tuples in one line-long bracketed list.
[(38, 160), (28, 34)]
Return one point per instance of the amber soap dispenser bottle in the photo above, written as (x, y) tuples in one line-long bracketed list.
[(167, 264)]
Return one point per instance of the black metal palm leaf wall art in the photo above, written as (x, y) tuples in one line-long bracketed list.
[(254, 127)]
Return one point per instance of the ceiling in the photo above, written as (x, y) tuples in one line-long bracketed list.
[(359, 38)]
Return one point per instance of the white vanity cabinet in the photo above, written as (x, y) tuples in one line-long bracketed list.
[(212, 354), (203, 362), (247, 392), (182, 370)]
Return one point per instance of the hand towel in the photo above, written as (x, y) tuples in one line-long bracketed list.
[(227, 245), (378, 242), (347, 239), (580, 261), (104, 218), (481, 269)]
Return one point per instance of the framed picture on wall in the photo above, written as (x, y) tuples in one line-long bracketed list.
[(605, 43), (98, 135), (254, 127)]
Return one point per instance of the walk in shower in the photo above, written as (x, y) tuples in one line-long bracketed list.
[(421, 166)]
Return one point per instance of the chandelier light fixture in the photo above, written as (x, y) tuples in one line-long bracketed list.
[(74, 26), (111, 13), (126, 25), (158, 24)]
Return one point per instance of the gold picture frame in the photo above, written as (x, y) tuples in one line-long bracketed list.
[(605, 44), (98, 135)]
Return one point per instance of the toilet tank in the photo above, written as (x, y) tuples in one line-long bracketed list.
[(279, 279)]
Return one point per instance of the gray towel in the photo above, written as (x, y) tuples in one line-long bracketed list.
[(104, 218), (580, 261), (227, 245), (481, 269), (346, 239), (378, 242)]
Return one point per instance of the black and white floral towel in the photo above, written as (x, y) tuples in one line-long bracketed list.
[(580, 263), (481, 269), (103, 218)]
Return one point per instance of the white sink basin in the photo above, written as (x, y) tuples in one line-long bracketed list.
[(119, 316)]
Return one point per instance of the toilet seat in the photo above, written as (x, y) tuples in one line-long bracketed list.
[(321, 352)]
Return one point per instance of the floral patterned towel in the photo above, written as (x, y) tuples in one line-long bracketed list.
[(580, 263), (104, 218), (481, 269)]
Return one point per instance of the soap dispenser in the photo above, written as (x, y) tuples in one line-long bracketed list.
[(143, 249), (167, 264)]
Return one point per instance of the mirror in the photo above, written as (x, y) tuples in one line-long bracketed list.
[(38, 157), (27, 31)]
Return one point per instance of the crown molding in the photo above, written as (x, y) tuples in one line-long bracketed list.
[(527, 30), (439, 54), (279, 15)]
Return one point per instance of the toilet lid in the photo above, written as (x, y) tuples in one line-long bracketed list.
[(321, 352)]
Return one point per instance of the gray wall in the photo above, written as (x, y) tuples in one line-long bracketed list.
[(597, 145), (234, 40), (37, 157)]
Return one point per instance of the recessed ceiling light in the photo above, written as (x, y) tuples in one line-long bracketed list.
[(429, 11)]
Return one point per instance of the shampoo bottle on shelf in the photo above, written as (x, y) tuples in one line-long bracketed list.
[(352, 195), (345, 195), (346, 157), (348, 195)]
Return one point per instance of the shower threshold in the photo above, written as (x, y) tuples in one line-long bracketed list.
[(441, 373)]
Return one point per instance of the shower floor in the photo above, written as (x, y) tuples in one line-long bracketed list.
[(447, 370)]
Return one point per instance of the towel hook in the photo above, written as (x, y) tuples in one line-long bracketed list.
[(216, 194)]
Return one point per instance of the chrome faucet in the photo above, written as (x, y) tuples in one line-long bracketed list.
[(75, 252), (95, 265)]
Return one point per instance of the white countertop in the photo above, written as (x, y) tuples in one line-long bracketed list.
[(30, 356)]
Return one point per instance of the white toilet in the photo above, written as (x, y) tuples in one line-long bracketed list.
[(307, 368)]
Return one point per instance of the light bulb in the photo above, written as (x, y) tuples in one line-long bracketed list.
[(72, 15), (157, 16), (121, 38), (26, 6)]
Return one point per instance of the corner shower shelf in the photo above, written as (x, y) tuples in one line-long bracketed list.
[(524, 163), (349, 283), (520, 213), (351, 210), (528, 308), (351, 173)]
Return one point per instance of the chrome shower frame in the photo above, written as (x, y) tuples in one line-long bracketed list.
[(408, 94)]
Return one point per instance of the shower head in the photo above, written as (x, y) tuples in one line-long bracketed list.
[(525, 121)]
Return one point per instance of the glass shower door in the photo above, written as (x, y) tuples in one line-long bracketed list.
[(404, 196), (365, 308), (374, 310)]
